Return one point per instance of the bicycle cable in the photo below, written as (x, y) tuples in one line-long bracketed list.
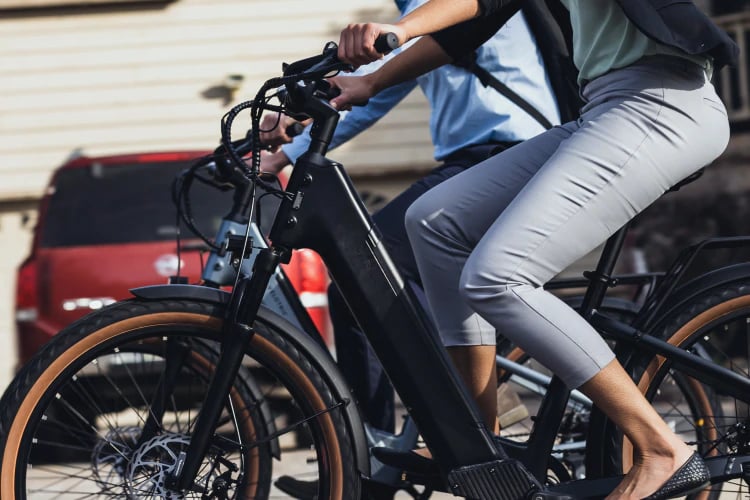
[(257, 106)]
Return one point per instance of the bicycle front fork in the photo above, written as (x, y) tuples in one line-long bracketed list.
[(236, 336)]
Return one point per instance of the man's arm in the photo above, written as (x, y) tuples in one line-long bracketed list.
[(355, 121), (357, 41), (351, 124), (422, 57)]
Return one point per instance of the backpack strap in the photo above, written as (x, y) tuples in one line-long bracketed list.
[(549, 23), (469, 62)]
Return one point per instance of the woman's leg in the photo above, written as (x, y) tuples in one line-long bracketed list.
[(644, 130), (480, 194), (476, 366), (660, 451)]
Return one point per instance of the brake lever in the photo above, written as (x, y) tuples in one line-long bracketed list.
[(316, 67), (324, 90)]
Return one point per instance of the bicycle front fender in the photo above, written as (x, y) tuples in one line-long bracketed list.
[(324, 363)]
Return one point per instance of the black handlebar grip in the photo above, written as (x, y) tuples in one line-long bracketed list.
[(294, 129), (386, 42)]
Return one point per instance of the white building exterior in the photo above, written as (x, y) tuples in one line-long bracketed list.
[(108, 77)]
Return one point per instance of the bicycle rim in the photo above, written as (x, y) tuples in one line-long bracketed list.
[(715, 326), (84, 405)]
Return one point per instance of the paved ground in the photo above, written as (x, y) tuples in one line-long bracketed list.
[(296, 461)]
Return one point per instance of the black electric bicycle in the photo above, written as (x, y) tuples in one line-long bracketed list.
[(218, 364)]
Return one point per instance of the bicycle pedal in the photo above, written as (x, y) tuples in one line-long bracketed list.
[(504, 479)]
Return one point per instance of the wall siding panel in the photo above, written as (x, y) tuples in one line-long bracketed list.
[(110, 81)]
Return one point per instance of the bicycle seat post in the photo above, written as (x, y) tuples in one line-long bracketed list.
[(601, 278)]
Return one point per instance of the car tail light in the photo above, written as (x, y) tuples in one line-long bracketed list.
[(312, 279), (26, 293)]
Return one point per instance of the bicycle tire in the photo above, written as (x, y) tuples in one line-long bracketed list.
[(711, 324), (121, 460)]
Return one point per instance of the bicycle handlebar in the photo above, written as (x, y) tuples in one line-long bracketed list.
[(386, 42), (304, 93), (244, 146), (309, 68), (224, 171)]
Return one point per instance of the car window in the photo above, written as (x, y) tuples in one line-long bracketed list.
[(127, 203)]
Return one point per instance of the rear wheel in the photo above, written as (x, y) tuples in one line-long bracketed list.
[(107, 407), (714, 325)]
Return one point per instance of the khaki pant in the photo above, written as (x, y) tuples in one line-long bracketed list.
[(487, 239)]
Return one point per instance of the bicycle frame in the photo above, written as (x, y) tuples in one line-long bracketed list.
[(281, 298), (323, 212), (384, 306)]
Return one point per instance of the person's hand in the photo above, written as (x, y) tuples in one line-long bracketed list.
[(273, 163), (355, 90), (273, 130), (357, 41)]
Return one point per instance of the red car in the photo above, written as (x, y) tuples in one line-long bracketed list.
[(107, 225)]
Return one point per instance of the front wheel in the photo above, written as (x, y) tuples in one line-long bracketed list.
[(106, 408)]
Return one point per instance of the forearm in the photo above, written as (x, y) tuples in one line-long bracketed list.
[(460, 26), (418, 59), (438, 14), (422, 57)]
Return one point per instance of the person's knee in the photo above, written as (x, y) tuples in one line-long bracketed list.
[(415, 217), (479, 285), (427, 219)]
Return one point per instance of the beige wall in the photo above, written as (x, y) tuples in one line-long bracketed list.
[(149, 77), (16, 219), (101, 81)]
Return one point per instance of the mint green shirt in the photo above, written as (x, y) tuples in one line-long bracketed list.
[(605, 39)]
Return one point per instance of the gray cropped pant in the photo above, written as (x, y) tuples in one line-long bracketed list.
[(487, 239)]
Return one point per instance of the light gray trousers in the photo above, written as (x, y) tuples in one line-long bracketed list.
[(487, 239)]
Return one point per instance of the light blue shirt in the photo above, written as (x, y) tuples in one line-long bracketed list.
[(464, 112)]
